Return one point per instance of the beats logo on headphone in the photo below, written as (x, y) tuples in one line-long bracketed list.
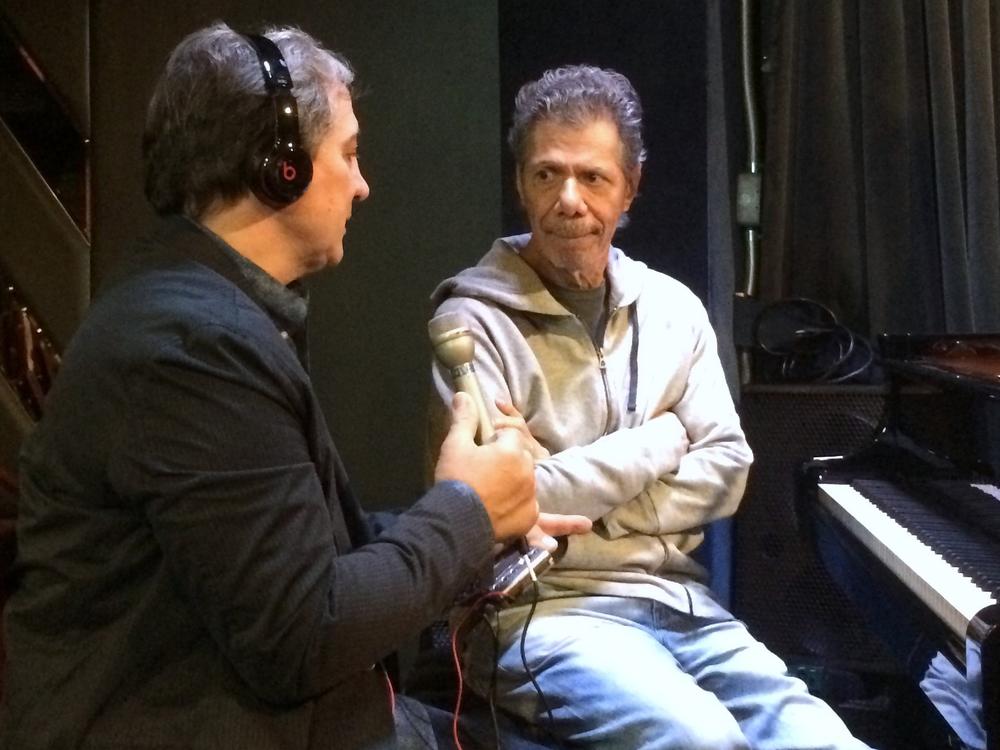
[(283, 169)]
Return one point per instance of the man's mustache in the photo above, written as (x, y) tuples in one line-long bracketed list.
[(571, 230)]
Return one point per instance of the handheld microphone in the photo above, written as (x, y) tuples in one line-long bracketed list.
[(456, 349)]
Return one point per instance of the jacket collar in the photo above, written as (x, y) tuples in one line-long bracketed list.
[(286, 305)]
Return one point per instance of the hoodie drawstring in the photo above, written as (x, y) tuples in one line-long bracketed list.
[(633, 362)]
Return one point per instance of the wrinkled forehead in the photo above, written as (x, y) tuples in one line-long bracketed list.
[(593, 138)]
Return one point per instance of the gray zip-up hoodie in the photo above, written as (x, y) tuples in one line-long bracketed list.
[(613, 418)]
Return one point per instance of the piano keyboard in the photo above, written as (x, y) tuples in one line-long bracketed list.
[(953, 596), (989, 489)]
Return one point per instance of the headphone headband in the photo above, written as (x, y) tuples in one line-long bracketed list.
[(272, 63)]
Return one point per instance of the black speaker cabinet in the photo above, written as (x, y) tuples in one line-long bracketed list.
[(780, 589)]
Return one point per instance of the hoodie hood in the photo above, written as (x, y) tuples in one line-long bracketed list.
[(504, 278)]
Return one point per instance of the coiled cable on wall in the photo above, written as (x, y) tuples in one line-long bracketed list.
[(803, 342)]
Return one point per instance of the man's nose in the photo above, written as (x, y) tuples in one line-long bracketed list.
[(570, 201), (361, 189)]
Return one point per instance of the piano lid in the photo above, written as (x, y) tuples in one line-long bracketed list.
[(959, 360)]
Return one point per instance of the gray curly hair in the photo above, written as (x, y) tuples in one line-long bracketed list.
[(576, 95)]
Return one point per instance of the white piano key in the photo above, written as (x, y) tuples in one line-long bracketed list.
[(949, 593), (989, 489)]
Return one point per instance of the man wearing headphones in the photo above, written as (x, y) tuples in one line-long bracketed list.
[(194, 570)]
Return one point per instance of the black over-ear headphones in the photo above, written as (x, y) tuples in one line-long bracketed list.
[(282, 170)]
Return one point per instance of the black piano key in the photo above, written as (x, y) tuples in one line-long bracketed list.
[(966, 547), (970, 504)]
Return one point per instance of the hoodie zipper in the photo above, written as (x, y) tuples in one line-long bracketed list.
[(603, 364)]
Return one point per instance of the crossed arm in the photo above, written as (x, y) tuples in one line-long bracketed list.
[(683, 467)]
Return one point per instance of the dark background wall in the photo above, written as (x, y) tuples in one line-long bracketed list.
[(437, 79)]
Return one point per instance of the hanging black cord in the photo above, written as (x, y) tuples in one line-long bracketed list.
[(527, 670)]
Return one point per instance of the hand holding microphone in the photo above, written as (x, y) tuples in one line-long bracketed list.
[(454, 347), (500, 469)]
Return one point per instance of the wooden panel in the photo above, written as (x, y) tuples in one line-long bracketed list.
[(55, 33), (44, 252)]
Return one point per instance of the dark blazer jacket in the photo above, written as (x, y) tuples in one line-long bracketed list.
[(194, 571)]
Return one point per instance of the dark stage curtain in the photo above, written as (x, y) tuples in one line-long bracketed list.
[(881, 181), (724, 145)]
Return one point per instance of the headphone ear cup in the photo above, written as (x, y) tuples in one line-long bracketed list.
[(282, 176), (281, 173)]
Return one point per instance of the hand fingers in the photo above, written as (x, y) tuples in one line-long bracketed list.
[(550, 525), (511, 438), (510, 423), (557, 524), (464, 419), (507, 408), (511, 418), (538, 538), (518, 427)]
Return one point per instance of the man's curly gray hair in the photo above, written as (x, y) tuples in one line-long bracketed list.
[(576, 95)]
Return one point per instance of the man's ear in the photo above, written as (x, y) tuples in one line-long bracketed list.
[(517, 184), (632, 184)]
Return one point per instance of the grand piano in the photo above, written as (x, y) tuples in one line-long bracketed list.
[(910, 526)]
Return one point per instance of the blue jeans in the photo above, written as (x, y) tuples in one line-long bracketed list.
[(425, 727), (634, 674)]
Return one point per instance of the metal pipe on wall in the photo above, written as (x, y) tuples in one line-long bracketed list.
[(748, 185)]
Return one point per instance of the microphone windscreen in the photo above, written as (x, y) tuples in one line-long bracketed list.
[(440, 325)]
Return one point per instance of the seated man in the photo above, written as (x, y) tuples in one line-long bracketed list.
[(615, 370), (194, 570)]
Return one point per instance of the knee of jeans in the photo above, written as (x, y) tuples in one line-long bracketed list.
[(650, 726), (716, 740), (713, 736)]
